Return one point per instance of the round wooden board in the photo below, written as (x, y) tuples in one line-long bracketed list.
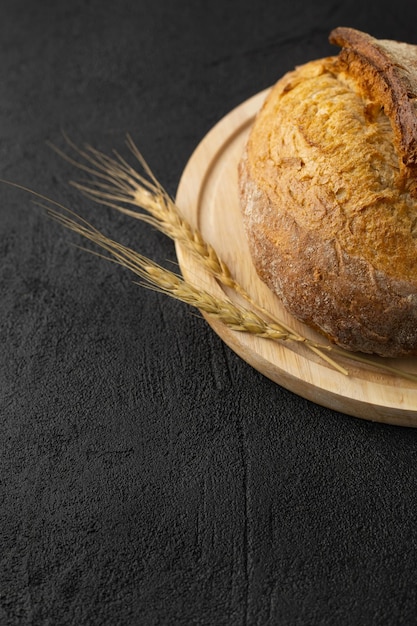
[(208, 197)]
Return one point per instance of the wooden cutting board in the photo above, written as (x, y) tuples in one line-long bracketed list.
[(208, 197)]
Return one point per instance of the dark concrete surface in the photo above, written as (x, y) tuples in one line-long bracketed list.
[(148, 475)]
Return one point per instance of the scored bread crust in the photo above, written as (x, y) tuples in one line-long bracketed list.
[(387, 72), (327, 189)]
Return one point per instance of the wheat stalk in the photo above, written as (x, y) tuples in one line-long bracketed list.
[(116, 183)]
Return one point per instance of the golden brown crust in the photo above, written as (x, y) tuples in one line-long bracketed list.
[(331, 224)]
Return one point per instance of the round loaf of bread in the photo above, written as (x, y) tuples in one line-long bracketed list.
[(327, 186)]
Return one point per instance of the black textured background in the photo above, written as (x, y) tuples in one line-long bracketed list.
[(148, 475)]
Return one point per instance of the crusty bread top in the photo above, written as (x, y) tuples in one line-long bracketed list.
[(387, 71), (325, 154)]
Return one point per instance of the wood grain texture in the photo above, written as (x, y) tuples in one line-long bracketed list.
[(208, 196)]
